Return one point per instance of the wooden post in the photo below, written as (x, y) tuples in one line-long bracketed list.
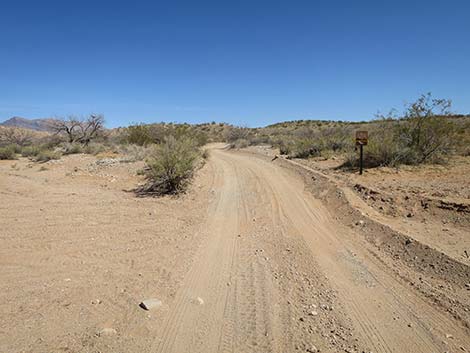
[(362, 138), (361, 147)]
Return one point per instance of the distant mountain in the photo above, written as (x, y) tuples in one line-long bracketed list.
[(32, 124)]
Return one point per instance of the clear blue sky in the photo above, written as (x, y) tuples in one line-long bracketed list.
[(247, 62)]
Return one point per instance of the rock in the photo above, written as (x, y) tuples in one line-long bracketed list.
[(149, 304), (409, 215), (312, 349), (107, 332), (96, 301), (448, 335), (200, 301), (313, 313), (408, 241)]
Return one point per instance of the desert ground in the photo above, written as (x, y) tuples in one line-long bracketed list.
[(261, 254)]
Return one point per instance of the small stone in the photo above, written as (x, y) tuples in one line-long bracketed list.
[(409, 215), (149, 304), (200, 301), (107, 332), (312, 349), (313, 313), (448, 335), (408, 241), (96, 301)]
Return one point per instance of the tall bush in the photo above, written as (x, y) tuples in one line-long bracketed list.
[(171, 166)]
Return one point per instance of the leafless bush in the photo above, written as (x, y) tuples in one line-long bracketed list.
[(15, 135), (80, 130)]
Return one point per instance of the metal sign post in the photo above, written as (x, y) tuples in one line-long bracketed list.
[(362, 138)]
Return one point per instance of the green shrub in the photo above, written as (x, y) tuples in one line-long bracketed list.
[(46, 155), (139, 135), (171, 166), (8, 152), (30, 151)]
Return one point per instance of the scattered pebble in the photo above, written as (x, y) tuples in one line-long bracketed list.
[(107, 332), (149, 304)]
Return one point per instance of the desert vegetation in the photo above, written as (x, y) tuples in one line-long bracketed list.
[(170, 166), (425, 132)]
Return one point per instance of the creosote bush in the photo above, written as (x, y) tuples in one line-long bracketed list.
[(171, 166), (46, 155), (8, 152)]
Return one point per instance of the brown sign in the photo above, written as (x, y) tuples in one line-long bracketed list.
[(362, 137)]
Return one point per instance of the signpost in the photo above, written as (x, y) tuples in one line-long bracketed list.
[(361, 140)]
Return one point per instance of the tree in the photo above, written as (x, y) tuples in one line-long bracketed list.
[(80, 130), (426, 129)]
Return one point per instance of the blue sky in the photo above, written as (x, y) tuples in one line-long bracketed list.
[(245, 62)]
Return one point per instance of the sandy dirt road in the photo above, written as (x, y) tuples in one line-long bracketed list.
[(241, 309), (248, 261)]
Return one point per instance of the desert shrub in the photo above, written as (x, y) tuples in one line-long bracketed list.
[(305, 149), (134, 153), (46, 155), (72, 148), (240, 143), (170, 167), (234, 133), (30, 151), (94, 148), (8, 152), (139, 134), (15, 136), (77, 130), (425, 133)]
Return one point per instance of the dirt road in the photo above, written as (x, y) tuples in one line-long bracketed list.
[(243, 309), (260, 265)]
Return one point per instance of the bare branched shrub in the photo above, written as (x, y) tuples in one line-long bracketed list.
[(170, 167), (80, 130), (15, 135), (234, 133)]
